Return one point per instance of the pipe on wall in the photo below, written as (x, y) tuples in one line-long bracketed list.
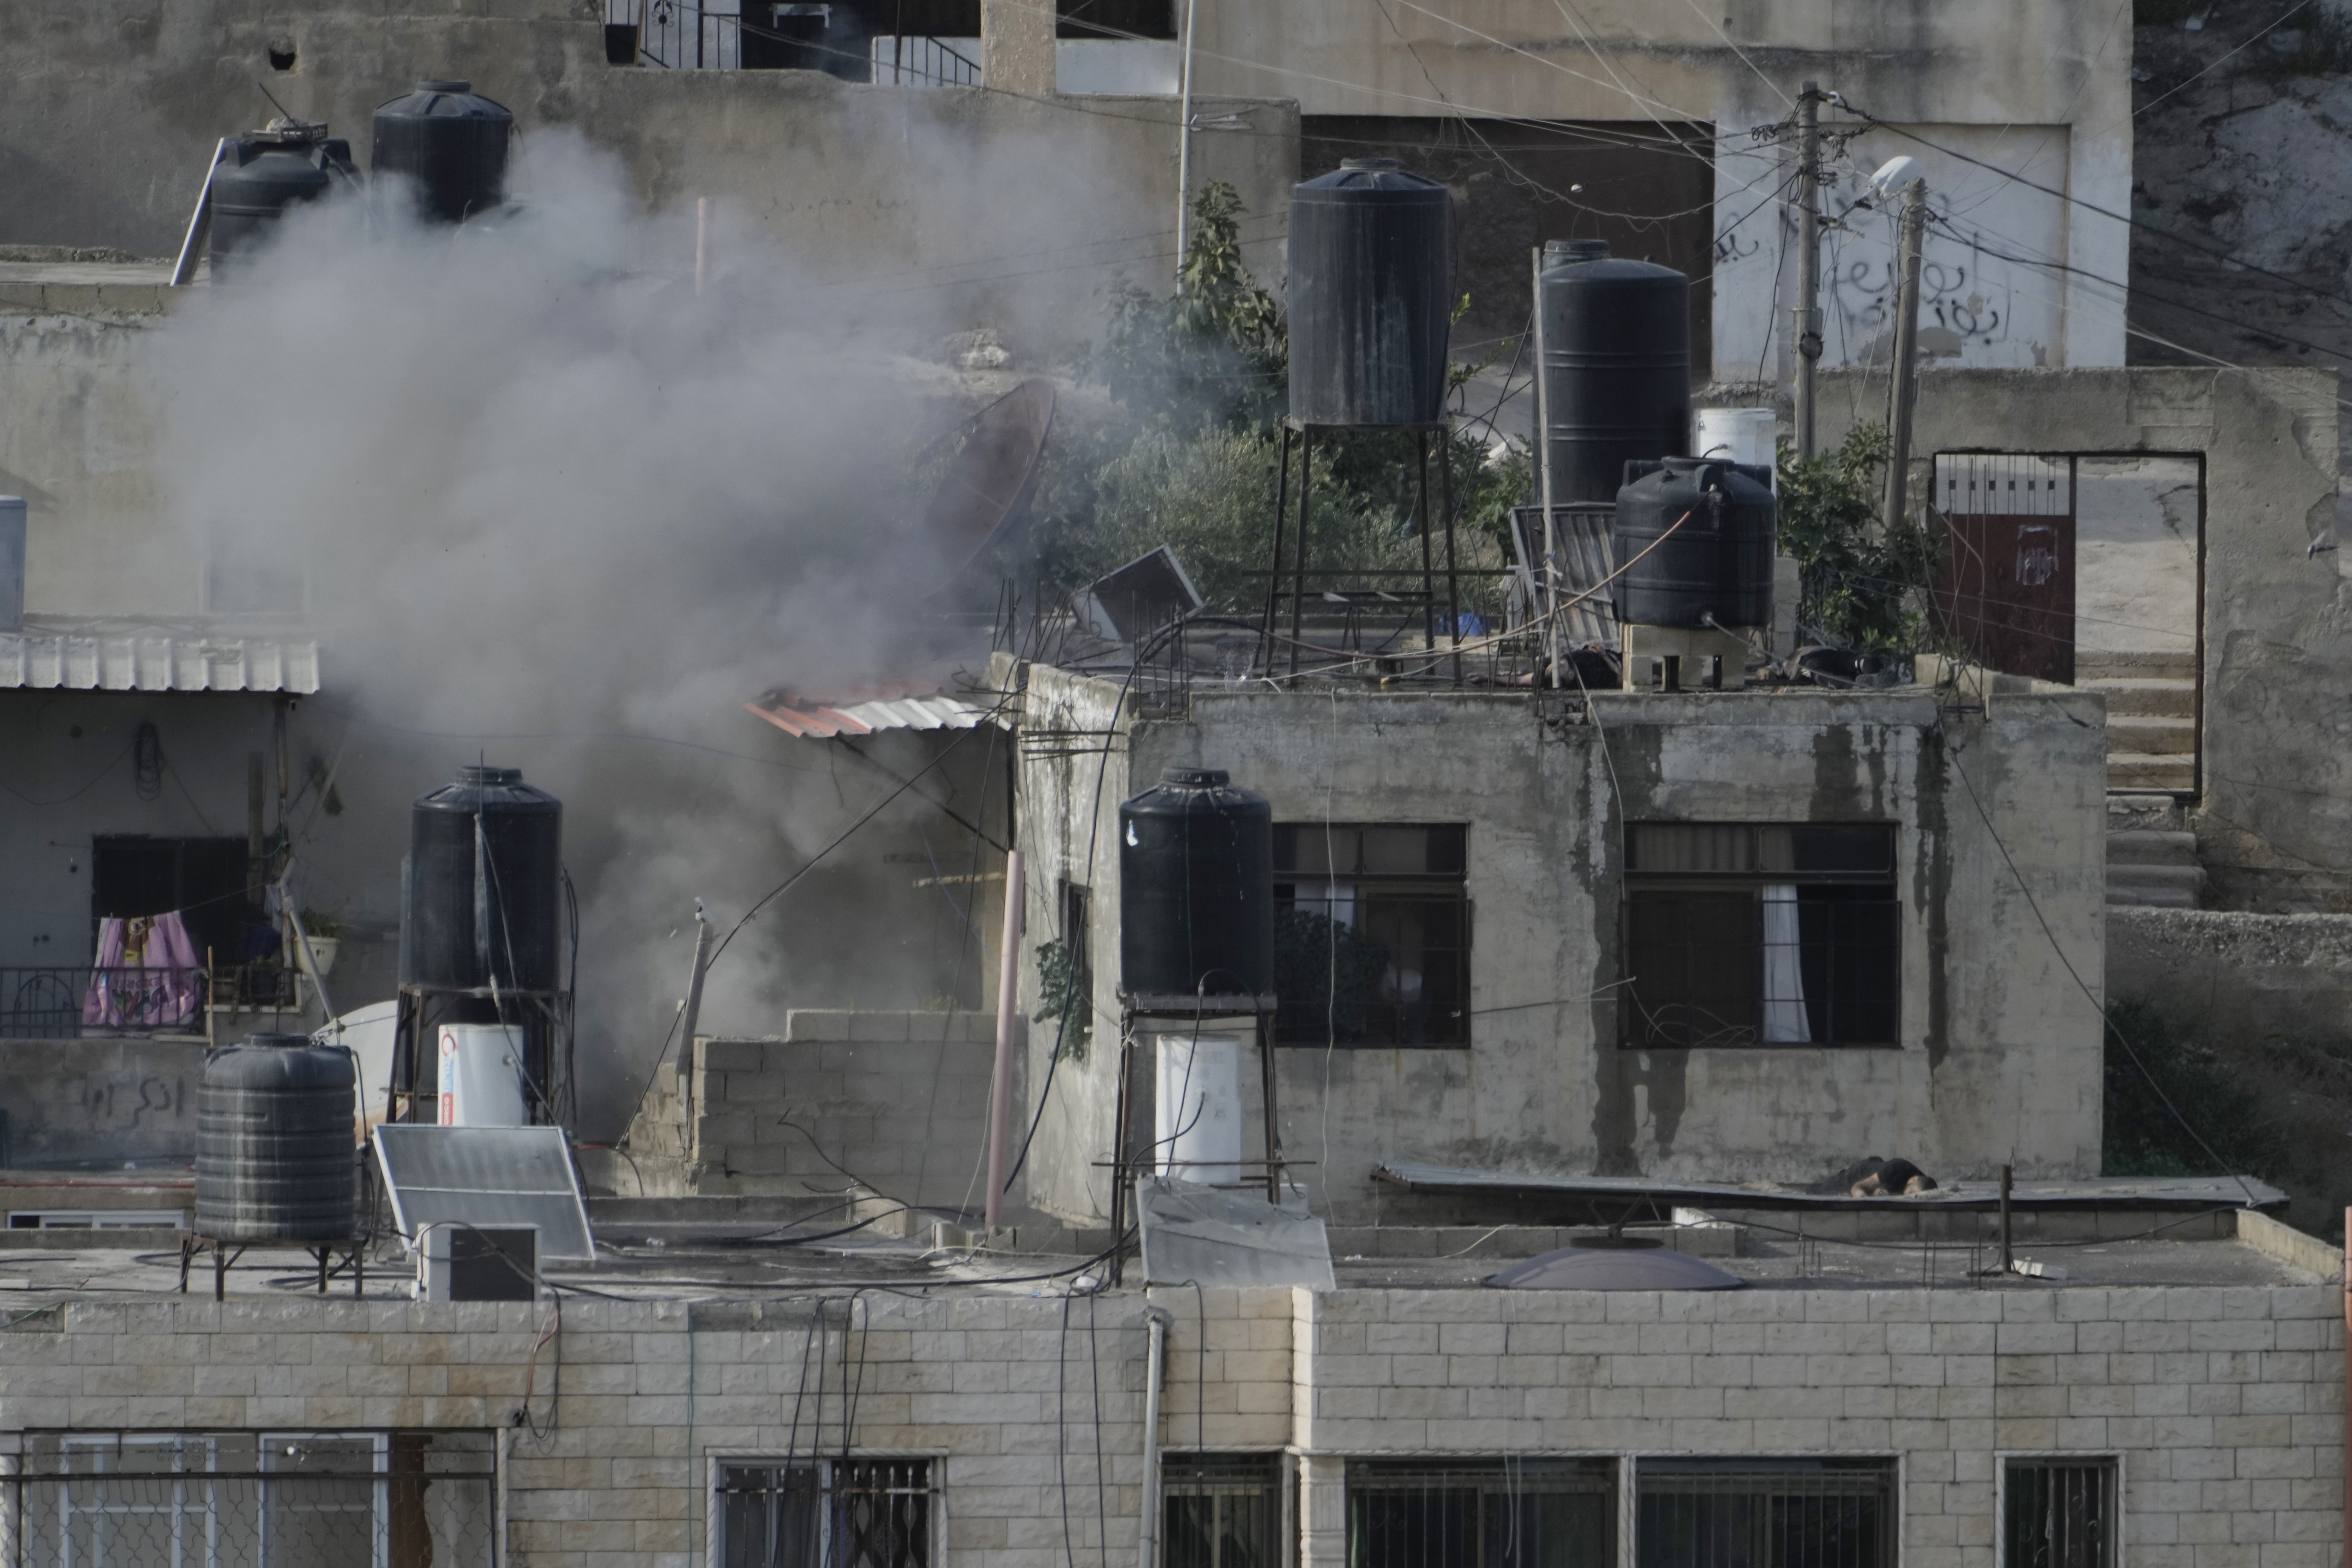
[(1156, 1323)]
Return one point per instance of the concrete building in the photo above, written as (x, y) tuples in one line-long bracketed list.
[(2174, 1403), (1549, 1038)]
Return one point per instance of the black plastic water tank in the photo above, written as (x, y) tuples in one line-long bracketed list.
[(1196, 888), (1719, 563), (1616, 366), (1371, 268), (451, 144), (261, 175), (276, 1141), (477, 906)]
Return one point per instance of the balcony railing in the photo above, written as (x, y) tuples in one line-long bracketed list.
[(73, 1001)]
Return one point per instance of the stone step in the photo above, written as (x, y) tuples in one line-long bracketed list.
[(2145, 896), (2139, 848), (2150, 695), (2100, 666), (2138, 733), (2128, 812), (2151, 771)]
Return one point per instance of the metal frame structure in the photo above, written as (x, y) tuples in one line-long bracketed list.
[(1304, 436), (544, 1016), (1125, 1163)]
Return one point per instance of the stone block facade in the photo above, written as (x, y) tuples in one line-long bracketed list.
[(2221, 1408), (897, 1101)]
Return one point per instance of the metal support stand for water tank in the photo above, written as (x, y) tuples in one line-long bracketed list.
[(1305, 437), (544, 1016), (1124, 1163), (224, 1255)]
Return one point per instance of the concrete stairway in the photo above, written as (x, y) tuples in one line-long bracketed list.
[(2152, 718), (2151, 853)]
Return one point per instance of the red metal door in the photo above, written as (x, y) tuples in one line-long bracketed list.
[(2007, 588)]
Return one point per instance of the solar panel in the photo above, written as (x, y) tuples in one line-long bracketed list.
[(487, 1176), (1205, 1236)]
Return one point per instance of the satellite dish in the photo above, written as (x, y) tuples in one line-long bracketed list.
[(987, 487)]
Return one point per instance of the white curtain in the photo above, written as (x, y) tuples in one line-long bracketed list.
[(1784, 975)]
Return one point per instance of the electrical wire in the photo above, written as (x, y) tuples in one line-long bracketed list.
[(1953, 750)]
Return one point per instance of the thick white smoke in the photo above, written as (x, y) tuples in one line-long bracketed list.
[(547, 494)]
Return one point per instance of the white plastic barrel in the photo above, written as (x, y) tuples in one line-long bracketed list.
[(1197, 1112), (481, 1077)]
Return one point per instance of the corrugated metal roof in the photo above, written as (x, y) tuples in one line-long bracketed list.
[(55, 653), (886, 705)]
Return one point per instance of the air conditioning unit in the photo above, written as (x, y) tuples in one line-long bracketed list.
[(470, 1263)]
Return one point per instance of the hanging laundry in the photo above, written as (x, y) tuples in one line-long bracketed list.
[(147, 974)]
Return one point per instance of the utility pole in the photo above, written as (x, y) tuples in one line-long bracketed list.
[(1905, 379), (1809, 258)]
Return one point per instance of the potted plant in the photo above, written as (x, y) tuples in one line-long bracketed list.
[(325, 933)]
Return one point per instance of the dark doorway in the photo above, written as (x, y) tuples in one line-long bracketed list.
[(204, 879), (2007, 591), (1648, 190)]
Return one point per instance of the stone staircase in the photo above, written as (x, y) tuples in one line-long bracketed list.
[(2151, 853), (2152, 718)]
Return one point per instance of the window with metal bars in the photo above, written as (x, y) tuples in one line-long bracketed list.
[(1482, 1513), (2058, 1513), (1743, 934), (1220, 1511), (252, 1499), (1765, 1513), (825, 1513)]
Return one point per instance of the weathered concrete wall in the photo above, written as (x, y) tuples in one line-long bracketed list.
[(2274, 823), (984, 194), (2000, 1056), (74, 1103), (898, 1099), (2040, 90), (2250, 975), (2223, 1405)]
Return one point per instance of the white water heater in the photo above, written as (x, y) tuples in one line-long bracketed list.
[(1740, 434), (482, 1076), (1197, 1112)]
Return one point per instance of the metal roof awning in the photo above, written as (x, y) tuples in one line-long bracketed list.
[(57, 653), (863, 710), (2080, 1193)]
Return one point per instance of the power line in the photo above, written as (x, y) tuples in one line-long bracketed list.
[(2090, 206)]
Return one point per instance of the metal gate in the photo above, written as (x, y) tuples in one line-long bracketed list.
[(2007, 588)]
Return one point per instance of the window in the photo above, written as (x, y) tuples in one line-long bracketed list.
[(1741, 935), (271, 1500), (1220, 1511), (1482, 1513), (1765, 1513), (2058, 1513), (1372, 935), (132, 874), (825, 1513)]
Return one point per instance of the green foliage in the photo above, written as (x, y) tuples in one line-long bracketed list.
[(318, 923), (1189, 458), (1216, 351), (1063, 987), (1864, 584), (1318, 962), (2144, 1138)]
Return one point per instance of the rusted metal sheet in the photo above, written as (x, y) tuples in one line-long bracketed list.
[(887, 705)]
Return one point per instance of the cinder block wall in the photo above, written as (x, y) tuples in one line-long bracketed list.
[(2223, 1405), (896, 1100)]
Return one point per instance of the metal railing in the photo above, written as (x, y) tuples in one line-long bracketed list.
[(258, 1519), (70, 1001)]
